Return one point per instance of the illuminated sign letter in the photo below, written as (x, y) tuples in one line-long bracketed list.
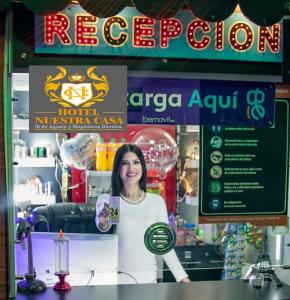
[(141, 29), (240, 31), (56, 25), (85, 28), (191, 34), (169, 29), (108, 31), (272, 38), (219, 36)]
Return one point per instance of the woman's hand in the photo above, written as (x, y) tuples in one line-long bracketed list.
[(185, 279), (103, 217)]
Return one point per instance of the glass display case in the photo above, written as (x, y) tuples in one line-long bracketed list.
[(206, 251), (34, 154)]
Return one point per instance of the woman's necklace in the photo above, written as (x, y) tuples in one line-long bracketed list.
[(134, 201)]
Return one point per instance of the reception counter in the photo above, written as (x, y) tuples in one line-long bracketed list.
[(205, 290)]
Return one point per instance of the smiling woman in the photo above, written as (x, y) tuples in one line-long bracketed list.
[(138, 211)]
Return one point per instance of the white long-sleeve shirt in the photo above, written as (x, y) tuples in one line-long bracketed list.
[(133, 257)]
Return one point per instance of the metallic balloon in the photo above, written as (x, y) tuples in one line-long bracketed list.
[(80, 151), (159, 149)]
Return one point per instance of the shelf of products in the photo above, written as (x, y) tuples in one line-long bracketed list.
[(20, 82), (38, 200), (32, 162), (35, 172), (20, 124), (94, 173)]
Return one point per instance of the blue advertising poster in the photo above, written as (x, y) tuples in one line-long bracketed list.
[(200, 102)]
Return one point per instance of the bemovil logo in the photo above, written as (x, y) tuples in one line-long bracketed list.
[(76, 92), (255, 109)]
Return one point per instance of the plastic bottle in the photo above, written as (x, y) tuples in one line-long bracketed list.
[(200, 233), (112, 148), (171, 219), (190, 234), (180, 233), (101, 155), (49, 153), (18, 144)]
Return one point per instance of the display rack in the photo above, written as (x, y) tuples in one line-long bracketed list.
[(20, 124), (35, 162)]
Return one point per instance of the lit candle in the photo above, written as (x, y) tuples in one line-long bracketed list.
[(61, 249), (61, 246)]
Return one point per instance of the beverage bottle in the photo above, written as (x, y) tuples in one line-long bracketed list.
[(200, 233), (190, 234), (112, 148), (122, 142), (18, 144), (101, 155), (180, 233)]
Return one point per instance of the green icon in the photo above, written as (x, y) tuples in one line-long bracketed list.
[(216, 157), (216, 172), (216, 142), (215, 204), (216, 129), (159, 238), (215, 187)]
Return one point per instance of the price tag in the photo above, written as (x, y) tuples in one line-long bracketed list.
[(114, 204)]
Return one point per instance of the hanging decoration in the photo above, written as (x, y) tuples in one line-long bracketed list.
[(212, 11), (159, 9), (45, 7), (104, 8), (264, 12), (260, 12), (4, 4)]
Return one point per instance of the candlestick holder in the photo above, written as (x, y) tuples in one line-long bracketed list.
[(62, 285), (61, 247)]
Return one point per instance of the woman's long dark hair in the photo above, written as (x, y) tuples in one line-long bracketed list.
[(116, 182)]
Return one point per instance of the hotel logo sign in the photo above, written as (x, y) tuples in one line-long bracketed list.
[(78, 98)]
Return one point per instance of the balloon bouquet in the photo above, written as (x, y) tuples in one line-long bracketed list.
[(158, 146), (77, 152), (160, 152)]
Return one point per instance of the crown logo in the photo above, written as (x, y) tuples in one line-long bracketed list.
[(67, 94), (76, 78)]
